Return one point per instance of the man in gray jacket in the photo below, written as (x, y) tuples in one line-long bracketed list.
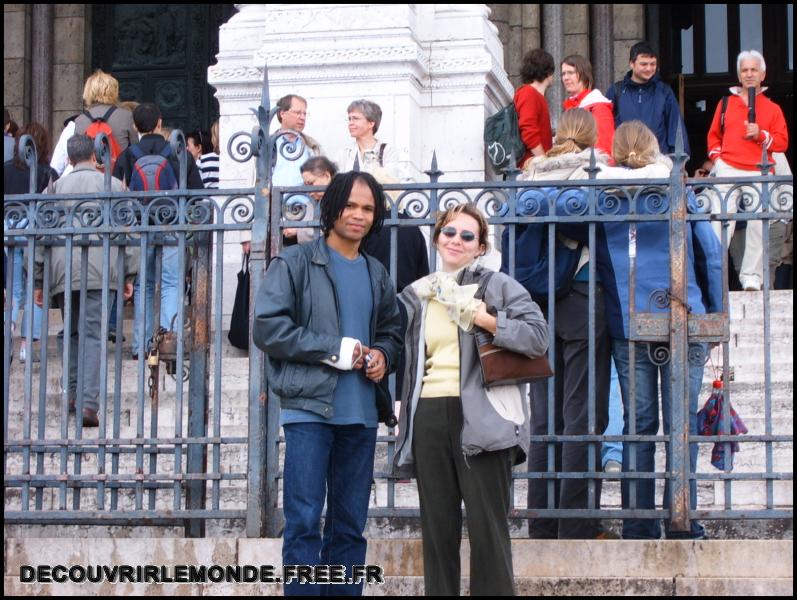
[(85, 178), (327, 318)]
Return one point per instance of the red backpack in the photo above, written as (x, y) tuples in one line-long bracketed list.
[(100, 125)]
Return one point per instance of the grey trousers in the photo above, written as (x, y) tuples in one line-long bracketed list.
[(89, 358), (445, 478), (570, 416)]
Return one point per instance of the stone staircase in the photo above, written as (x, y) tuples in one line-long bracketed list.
[(746, 392)]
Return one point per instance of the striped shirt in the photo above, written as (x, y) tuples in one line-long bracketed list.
[(209, 169)]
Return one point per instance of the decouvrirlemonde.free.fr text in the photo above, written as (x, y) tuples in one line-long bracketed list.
[(303, 574)]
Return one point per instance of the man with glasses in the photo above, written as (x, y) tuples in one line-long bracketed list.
[(292, 151), (292, 116)]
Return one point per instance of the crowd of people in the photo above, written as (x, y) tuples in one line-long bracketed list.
[(333, 325), (457, 436)]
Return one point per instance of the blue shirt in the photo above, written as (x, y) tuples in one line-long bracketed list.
[(354, 401)]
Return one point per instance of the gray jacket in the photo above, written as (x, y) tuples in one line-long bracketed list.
[(120, 121), (297, 325), (85, 179), (521, 328)]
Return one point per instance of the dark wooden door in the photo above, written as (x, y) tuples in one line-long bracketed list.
[(160, 53), (702, 41)]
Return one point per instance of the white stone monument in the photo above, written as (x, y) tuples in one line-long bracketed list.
[(435, 70)]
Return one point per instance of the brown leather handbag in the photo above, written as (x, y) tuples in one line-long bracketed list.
[(500, 366)]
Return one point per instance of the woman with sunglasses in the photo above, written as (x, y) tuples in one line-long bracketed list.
[(459, 439)]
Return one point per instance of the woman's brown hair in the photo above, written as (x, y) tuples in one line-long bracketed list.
[(446, 216), (583, 68), (41, 137)]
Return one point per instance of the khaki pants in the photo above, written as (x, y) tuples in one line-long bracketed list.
[(751, 269)]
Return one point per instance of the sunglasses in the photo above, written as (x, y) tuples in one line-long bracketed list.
[(464, 235)]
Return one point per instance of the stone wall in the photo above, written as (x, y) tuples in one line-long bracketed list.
[(519, 28), (629, 28), (16, 61), (72, 61)]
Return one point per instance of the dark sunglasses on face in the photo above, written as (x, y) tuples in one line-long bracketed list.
[(465, 235)]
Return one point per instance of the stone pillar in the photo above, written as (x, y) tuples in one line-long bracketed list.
[(601, 41), (436, 70), (42, 64), (553, 40)]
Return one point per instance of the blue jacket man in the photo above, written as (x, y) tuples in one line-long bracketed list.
[(327, 318), (642, 95)]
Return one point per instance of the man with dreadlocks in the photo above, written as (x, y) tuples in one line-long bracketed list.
[(327, 319)]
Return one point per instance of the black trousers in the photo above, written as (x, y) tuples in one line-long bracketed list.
[(445, 479), (570, 415)]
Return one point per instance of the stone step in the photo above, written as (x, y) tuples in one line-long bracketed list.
[(577, 567), (414, 586)]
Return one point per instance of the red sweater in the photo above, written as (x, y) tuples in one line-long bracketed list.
[(738, 152), (534, 120), (601, 109)]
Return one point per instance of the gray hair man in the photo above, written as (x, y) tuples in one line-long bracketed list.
[(738, 135)]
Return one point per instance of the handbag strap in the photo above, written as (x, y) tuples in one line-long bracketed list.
[(483, 286), (245, 262)]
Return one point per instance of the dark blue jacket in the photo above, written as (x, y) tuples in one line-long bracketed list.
[(654, 104), (652, 249)]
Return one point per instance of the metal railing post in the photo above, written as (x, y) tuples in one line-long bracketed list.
[(679, 348), (259, 495)]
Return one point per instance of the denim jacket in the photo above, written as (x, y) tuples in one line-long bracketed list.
[(297, 325)]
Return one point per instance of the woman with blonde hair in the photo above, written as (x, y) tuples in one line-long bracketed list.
[(636, 152), (101, 99), (575, 141), (458, 438)]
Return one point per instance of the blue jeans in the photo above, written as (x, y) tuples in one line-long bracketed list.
[(18, 298), (171, 293), (335, 462), (647, 423), (614, 450)]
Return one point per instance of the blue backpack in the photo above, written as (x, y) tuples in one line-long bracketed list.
[(152, 172)]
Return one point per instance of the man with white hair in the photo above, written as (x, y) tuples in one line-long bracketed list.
[(735, 142)]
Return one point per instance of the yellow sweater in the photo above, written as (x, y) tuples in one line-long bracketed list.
[(441, 377)]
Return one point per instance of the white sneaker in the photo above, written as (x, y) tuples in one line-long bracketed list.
[(751, 284), (612, 466)]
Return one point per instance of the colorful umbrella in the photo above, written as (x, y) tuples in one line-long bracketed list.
[(710, 422)]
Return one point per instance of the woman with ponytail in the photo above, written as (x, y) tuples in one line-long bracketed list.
[(575, 140)]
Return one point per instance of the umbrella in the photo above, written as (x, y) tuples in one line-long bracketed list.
[(710, 422)]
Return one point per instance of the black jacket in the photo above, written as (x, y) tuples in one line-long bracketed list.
[(412, 260)]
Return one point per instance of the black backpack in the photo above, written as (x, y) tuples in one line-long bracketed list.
[(502, 137)]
